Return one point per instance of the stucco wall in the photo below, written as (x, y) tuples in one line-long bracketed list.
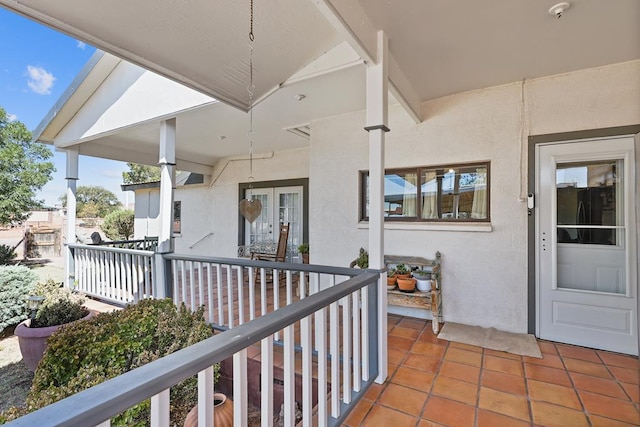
[(484, 272), (196, 237)]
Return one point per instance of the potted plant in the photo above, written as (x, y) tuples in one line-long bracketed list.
[(363, 259), (391, 279), (304, 250), (402, 271), (59, 307), (423, 278), (407, 284)]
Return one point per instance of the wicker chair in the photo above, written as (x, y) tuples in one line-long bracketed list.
[(279, 255)]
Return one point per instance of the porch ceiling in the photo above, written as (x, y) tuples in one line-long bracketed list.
[(436, 47)]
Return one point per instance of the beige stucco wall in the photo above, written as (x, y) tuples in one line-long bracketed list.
[(484, 272)]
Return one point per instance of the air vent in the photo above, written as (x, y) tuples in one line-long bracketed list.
[(300, 130)]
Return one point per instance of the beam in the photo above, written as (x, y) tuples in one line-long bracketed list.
[(351, 21)]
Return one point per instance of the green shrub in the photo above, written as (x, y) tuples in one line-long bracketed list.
[(118, 225), (86, 353), (16, 283), (60, 305), (7, 254)]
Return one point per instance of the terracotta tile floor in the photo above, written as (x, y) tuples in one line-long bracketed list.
[(433, 382)]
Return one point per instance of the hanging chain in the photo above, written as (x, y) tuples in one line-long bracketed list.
[(250, 90)]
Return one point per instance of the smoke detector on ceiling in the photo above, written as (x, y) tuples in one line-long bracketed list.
[(558, 9)]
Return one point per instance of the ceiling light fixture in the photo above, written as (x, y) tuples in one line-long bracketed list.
[(558, 9), (300, 97)]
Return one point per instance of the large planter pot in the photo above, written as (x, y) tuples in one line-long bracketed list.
[(407, 285), (33, 341), (222, 412)]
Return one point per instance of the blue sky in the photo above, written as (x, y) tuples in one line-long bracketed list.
[(37, 64)]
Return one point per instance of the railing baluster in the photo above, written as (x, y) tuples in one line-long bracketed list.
[(346, 349), (334, 336), (263, 293), (183, 282), (174, 267), (266, 372), (192, 287), (210, 291), (220, 295), (230, 295), (160, 409), (252, 294), (289, 376), (364, 297), (307, 374), (205, 397), (104, 424), (200, 285), (240, 281), (356, 340), (240, 401), (321, 348)]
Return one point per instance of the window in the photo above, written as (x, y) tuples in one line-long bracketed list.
[(177, 216), (432, 193)]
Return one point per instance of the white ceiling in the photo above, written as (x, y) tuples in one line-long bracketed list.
[(436, 47)]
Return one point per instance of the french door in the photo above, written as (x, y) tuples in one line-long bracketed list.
[(587, 281), (279, 205)]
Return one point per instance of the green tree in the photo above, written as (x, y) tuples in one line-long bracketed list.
[(139, 174), (24, 170), (93, 201), (118, 225)]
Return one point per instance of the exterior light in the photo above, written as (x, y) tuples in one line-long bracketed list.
[(33, 302)]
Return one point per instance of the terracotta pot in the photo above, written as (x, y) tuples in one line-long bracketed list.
[(305, 258), (222, 412), (403, 276), (33, 341), (407, 285), (391, 281)]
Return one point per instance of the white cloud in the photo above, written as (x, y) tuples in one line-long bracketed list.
[(40, 80), (11, 117), (80, 45)]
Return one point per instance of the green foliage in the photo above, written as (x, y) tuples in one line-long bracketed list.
[(402, 269), (59, 312), (363, 259), (16, 283), (303, 248), (87, 353), (7, 254), (94, 201), (139, 174), (118, 225), (24, 170)]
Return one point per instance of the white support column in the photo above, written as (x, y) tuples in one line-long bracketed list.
[(72, 178), (377, 126), (167, 163)]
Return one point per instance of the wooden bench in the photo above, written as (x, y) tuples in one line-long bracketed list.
[(430, 300)]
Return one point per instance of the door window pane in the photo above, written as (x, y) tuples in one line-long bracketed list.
[(589, 201)]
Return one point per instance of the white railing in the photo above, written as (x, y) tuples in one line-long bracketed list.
[(338, 332), (113, 274), (236, 290)]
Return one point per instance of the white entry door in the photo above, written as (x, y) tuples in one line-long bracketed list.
[(587, 278), (279, 205)]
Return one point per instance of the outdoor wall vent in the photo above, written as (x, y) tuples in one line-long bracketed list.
[(300, 130)]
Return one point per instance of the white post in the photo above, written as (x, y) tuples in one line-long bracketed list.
[(377, 121), (72, 178), (167, 163)]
